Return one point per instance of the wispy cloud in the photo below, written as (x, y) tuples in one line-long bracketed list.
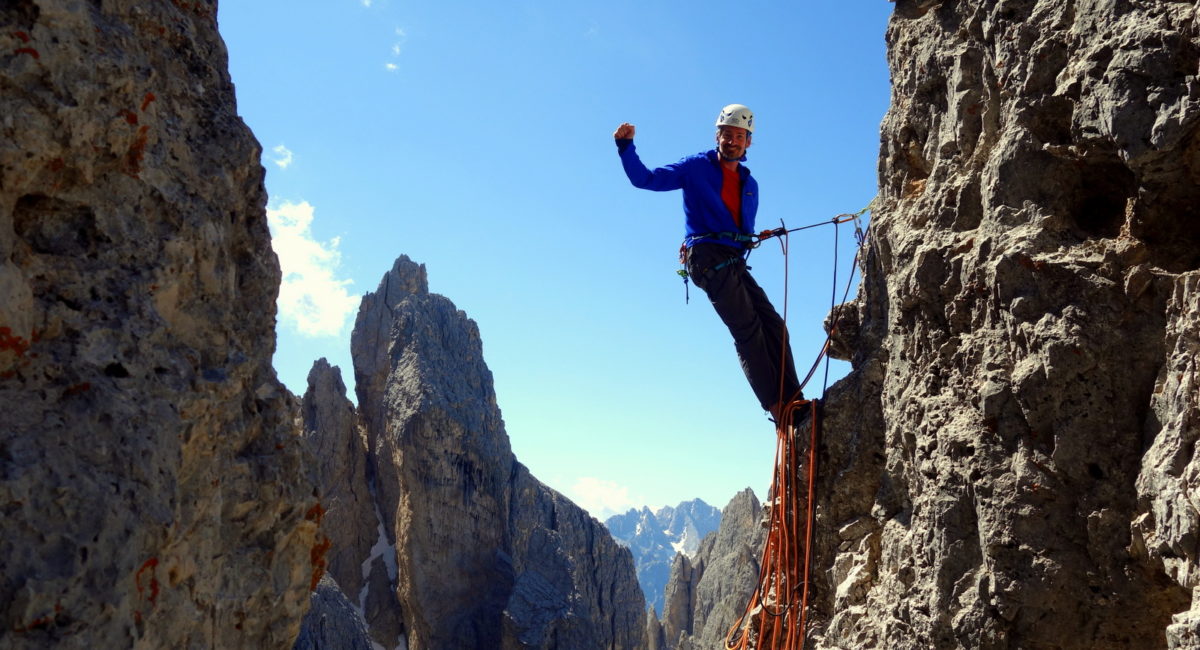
[(601, 498), (397, 48), (312, 298), (283, 157), (366, 3)]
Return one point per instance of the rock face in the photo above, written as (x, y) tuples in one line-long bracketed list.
[(151, 480), (707, 593), (1011, 462), (332, 622), (361, 556), (654, 537), (452, 543)]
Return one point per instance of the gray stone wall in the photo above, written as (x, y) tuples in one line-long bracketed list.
[(152, 483), (1009, 464)]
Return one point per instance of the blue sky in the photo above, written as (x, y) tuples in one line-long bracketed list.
[(476, 138)]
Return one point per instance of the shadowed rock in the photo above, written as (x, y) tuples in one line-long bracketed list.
[(332, 622), (152, 485)]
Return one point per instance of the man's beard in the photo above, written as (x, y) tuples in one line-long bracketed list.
[(725, 156)]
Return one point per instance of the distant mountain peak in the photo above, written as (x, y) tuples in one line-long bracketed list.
[(655, 537)]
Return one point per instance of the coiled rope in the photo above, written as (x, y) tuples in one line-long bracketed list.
[(776, 615)]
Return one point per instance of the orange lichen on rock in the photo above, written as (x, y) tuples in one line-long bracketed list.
[(44, 621), (318, 551), (151, 584), (13, 343), (315, 513), (137, 150), (317, 556)]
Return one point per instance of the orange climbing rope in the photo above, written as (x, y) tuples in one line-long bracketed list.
[(776, 616)]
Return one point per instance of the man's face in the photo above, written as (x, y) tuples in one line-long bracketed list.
[(732, 142)]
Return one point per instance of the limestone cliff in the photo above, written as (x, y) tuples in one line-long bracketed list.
[(446, 539), (707, 593), (152, 483), (1012, 461)]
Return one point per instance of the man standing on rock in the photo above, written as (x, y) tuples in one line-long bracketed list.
[(720, 200)]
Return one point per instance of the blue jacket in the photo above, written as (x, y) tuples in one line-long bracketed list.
[(700, 178)]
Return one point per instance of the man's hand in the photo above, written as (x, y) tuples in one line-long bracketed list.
[(623, 132)]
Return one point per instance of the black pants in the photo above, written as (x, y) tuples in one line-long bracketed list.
[(758, 330)]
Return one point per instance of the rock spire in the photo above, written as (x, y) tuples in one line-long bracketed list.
[(449, 541)]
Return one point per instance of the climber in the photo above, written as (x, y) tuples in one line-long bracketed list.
[(720, 200)]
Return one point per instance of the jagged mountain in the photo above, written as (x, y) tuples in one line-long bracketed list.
[(688, 523), (707, 592), (439, 536), (654, 537)]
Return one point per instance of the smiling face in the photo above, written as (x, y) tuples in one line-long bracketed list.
[(732, 142)]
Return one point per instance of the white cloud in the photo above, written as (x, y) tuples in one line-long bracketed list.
[(397, 48), (366, 3), (283, 156), (312, 299), (601, 498)]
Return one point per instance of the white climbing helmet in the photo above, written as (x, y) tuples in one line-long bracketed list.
[(736, 115)]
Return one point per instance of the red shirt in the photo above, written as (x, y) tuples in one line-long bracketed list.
[(731, 193)]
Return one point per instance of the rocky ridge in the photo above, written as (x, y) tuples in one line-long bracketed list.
[(153, 488), (445, 540)]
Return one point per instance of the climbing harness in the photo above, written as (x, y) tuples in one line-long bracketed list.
[(685, 250), (686, 247), (776, 616)]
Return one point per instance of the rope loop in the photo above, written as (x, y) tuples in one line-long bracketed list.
[(776, 616)]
